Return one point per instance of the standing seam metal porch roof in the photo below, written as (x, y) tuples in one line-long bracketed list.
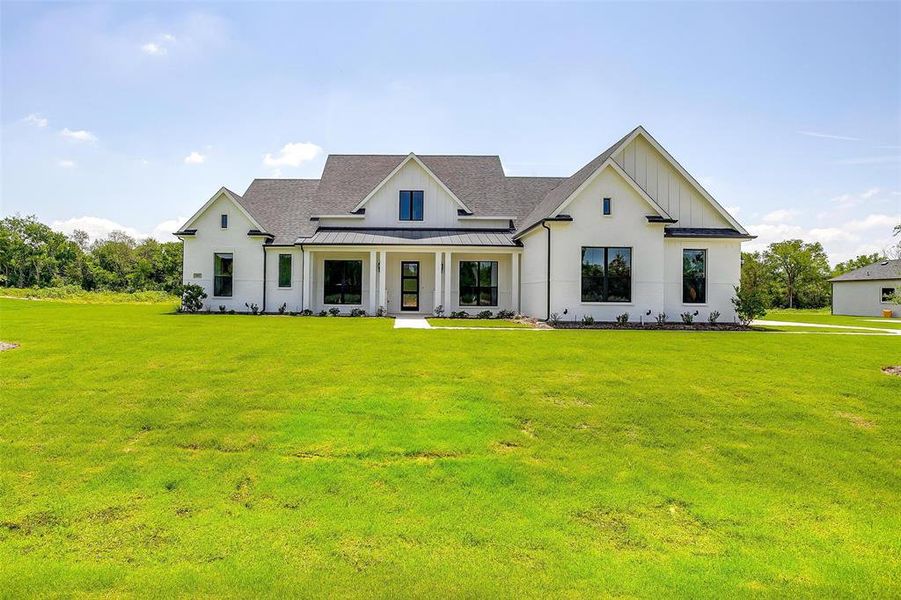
[(409, 237)]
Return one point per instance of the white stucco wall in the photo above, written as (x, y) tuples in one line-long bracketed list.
[(723, 274), (247, 283), (863, 298), (534, 273), (627, 226), (275, 295)]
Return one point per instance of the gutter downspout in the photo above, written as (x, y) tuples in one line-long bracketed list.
[(302, 283), (263, 308), (544, 224)]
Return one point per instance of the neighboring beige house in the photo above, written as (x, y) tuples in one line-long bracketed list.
[(630, 232), (869, 290)]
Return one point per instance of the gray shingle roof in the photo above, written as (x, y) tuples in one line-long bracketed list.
[(886, 269), (282, 206), (410, 237)]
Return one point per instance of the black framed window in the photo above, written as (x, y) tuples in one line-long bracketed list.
[(606, 207), (343, 282), (223, 221), (606, 274), (478, 283), (694, 276), (223, 271), (411, 205), (284, 270), (887, 294)]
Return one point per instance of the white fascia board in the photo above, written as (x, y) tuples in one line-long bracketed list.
[(394, 172), (222, 192)]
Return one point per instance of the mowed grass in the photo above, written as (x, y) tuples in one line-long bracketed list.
[(146, 453), (824, 317), (446, 322)]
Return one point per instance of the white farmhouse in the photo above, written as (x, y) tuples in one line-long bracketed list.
[(869, 290), (630, 232)]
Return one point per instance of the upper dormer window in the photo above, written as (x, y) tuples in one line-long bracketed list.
[(223, 221), (411, 205), (606, 207)]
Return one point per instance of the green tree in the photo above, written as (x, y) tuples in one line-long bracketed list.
[(855, 263), (756, 277), (800, 272)]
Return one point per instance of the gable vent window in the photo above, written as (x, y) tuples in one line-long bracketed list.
[(606, 207), (223, 221), (411, 205)]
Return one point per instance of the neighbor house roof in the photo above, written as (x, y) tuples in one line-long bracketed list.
[(885, 269)]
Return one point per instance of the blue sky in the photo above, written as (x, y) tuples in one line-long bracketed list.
[(131, 115)]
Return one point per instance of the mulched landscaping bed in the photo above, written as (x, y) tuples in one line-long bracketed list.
[(652, 326)]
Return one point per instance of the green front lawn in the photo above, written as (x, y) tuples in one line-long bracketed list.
[(152, 454), (823, 317)]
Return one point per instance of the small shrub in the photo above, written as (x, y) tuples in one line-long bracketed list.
[(381, 311), (222, 308), (334, 311), (192, 297), (283, 308), (485, 314), (587, 320), (714, 316), (323, 313), (749, 305), (688, 318), (358, 312), (622, 319), (460, 314), (660, 318), (554, 319), (439, 311), (253, 308), (293, 313), (505, 314), (306, 313), (231, 312)]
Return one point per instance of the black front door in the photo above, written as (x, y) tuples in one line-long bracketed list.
[(409, 285)]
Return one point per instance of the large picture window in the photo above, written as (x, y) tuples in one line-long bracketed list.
[(606, 274), (343, 282), (478, 283), (694, 276), (284, 270), (411, 205), (223, 268)]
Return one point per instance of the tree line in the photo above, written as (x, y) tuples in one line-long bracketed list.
[(788, 274), (34, 255)]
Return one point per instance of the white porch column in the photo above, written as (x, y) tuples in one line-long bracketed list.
[(515, 281), (373, 270), (447, 281), (383, 287), (307, 284), (438, 277)]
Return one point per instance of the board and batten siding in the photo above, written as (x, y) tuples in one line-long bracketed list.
[(439, 209), (656, 176)]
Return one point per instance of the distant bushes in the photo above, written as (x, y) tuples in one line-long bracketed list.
[(76, 295)]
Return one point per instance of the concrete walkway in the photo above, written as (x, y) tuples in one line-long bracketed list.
[(411, 322), (840, 328)]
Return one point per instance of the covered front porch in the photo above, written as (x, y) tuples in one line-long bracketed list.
[(402, 279)]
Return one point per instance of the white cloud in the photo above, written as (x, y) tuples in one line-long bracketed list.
[(98, 227), (780, 216), (293, 155), (36, 120), (67, 164), (160, 46), (80, 135), (195, 158), (154, 49), (829, 136)]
